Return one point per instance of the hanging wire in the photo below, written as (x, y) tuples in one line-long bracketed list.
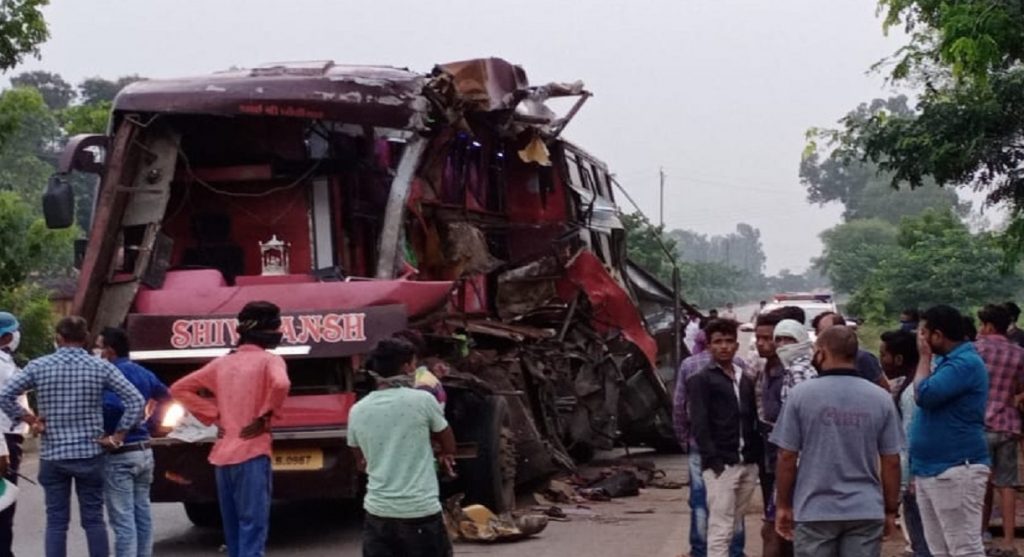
[(668, 253), (302, 178)]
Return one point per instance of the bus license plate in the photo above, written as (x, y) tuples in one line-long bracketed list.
[(298, 459)]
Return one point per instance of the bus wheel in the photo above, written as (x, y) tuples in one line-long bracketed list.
[(490, 479)]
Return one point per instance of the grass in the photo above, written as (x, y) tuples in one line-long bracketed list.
[(869, 335)]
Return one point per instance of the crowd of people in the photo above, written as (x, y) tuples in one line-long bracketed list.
[(93, 413), (844, 444)]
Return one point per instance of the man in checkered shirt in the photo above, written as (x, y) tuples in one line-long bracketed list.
[(69, 388), (1005, 363)]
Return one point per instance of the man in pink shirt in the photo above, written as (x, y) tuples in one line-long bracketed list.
[(248, 386)]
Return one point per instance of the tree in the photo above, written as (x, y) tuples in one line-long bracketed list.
[(95, 90), (937, 261), (853, 250), (28, 153), (56, 92), (85, 118), (22, 30), (967, 57), (31, 253), (833, 176), (708, 284), (647, 246)]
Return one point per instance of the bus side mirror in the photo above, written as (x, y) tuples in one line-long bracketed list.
[(59, 202)]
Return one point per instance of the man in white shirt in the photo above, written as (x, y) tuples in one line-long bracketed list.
[(13, 435)]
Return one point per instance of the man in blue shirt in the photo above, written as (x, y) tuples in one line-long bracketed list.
[(130, 467), (948, 454), (69, 387)]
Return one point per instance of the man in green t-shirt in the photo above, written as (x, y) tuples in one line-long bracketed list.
[(390, 431)]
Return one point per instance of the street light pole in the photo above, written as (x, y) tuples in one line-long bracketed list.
[(661, 198)]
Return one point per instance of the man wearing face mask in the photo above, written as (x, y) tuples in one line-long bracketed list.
[(833, 497), (793, 346), (768, 391), (69, 386), (248, 385), (13, 434), (867, 365)]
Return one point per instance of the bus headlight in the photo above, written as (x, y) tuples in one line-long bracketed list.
[(175, 412)]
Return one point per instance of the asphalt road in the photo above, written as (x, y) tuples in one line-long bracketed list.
[(651, 524), (654, 524)]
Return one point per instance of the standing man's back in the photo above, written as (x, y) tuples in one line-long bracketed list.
[(837, 427), (69, 387), (248, 387), (390, 431)]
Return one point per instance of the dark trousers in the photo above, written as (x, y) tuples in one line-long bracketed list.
[(7, 515), (405, 537), (773, 545)]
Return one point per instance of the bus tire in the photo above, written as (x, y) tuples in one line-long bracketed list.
[(490, 478)]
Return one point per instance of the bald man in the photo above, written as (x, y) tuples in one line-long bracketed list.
[(832, 498)]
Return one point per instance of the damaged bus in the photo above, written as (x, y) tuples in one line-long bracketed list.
[(364, 201)]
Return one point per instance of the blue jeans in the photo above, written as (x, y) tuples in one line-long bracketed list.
[(699, 514), (56, 477), (128, 478), (244, 493)]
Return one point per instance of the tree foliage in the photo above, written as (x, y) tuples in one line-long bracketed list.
[(709, 267), (647, 246), (30, 144), (967, 59), (56, 92), (936, 260), (22, 30), (853, 250), (864, 191), (740, 250), (31, 253), (95, 90), (30, 249)]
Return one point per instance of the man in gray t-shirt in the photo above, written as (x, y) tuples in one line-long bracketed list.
[(839, 427)]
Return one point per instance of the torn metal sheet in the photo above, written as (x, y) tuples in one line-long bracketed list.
[(466, 250), (372, 95), (611, 304), (515, 333), (487, 83)]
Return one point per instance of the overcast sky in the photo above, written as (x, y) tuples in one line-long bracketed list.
[(718, 92)]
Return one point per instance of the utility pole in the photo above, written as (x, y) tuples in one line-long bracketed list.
[(661, 198)]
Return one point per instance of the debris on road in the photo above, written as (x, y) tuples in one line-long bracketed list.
[(476, 523)]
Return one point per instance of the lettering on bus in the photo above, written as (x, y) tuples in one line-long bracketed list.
[(327, 328)]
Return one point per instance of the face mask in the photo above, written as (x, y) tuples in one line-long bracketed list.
[(15, 341), (816, 361), (792, 352)]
